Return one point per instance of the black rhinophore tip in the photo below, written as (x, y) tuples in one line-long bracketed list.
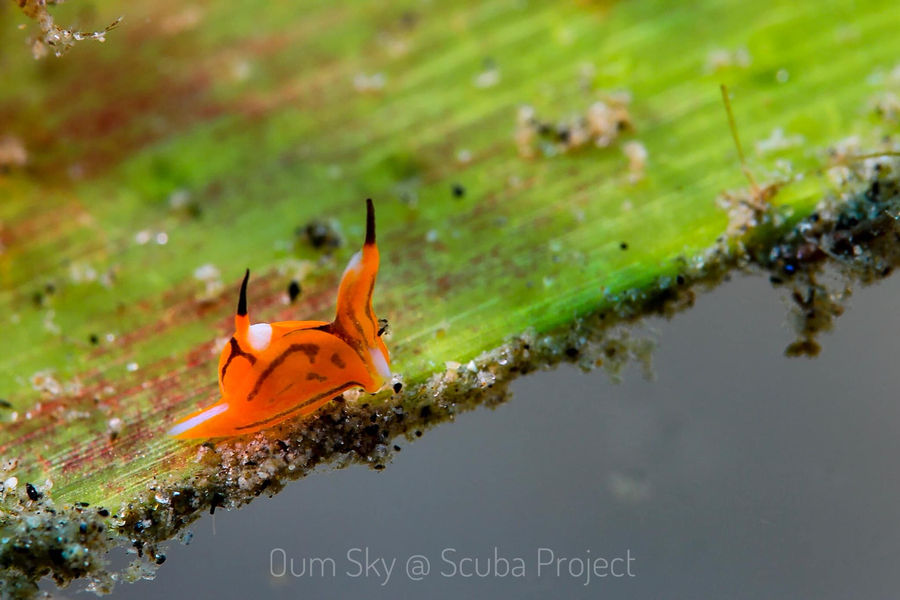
[(242, 302), (370, 222)]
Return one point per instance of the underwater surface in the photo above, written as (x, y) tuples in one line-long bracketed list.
[(737, 473)]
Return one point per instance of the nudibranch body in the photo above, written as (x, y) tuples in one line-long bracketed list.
[(269, 372)]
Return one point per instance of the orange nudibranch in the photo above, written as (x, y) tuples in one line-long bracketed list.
[(269, 372)]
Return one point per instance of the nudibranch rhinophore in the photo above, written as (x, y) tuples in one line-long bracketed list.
[(269, 372)]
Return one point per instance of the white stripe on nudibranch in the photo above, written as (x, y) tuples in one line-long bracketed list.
[(259, 336), (206, 415), (354, 263), (380, 363)]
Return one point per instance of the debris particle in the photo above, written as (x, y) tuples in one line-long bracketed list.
[(44, 382), (886, 106), (131, 367), (114, 427), (353, 395), (32, 493), (487, 78), (526, 131), (179, 199), (782, 76), (723, 58), (210, 276), (52, 36), (637, 154), (12, 153), (629, 489), (82, 272), (458, 190), (50, 324), (464, 157), (206, 272), (293, 290), (321, 234), (369, 83), (602, 123), (778, 141), (180, 20), (384, 328)]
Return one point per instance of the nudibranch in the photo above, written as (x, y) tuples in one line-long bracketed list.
[(269, 372)]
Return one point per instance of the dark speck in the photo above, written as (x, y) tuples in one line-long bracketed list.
[(217, 500), (680, 280), (397, 387), (56, 555), (425, 412), (33, 494), (623, 245), (5, 403), (396, 448), (458, 190), (873, 192), (160, 558), (82, 528), (418, 433), (379, 467), (408, 19), (572, 352), (103, 512), (320, 235), (94, 339), (293, 289)]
